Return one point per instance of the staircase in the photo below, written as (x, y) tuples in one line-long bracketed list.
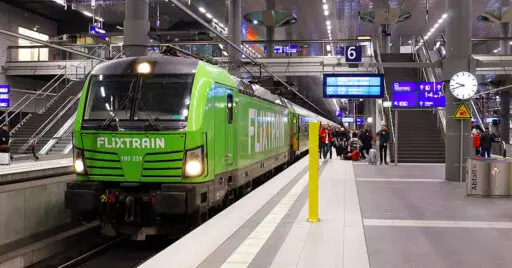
[(419, 138), (34, 122)]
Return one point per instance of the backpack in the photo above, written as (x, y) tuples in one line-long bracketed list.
[(354, 145)]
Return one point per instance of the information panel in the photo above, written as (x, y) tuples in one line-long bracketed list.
[(4, 96), (348, 86), (418, 95)]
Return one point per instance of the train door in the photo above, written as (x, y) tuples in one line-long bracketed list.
[(230, 129)]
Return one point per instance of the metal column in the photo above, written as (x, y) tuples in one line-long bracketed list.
[(505, 94), (271, 5), (136, 28), (235, 32), (458, 34)]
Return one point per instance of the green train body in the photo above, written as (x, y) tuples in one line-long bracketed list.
[(181, 138)]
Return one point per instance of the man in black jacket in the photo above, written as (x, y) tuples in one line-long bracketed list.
[(383, 144), (486, 140), (4, 139)]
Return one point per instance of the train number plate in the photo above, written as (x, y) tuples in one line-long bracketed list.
[(132, 158)]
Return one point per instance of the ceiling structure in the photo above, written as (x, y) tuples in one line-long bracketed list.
[(343, 16)]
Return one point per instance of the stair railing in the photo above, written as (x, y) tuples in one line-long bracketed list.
[(63, 131), (63, 73)]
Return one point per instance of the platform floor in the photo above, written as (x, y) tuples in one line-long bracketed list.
[(370, 216), (29, 165)]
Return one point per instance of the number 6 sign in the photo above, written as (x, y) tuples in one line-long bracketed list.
[(353, 54)]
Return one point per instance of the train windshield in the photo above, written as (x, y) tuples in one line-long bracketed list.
[(159, 97), (164, 97), (109, 94)]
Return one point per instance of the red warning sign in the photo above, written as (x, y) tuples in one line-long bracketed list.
[(462, 112)]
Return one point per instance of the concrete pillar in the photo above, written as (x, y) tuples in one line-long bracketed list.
[(235, 32), (505, 116), (396, 40), (271, 5), (458, 35), (136, 28), (386, 40)]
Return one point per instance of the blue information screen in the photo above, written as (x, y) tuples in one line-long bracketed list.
[(418, 95), (348, 86), (4, 96)]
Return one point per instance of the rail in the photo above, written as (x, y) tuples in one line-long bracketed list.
[(62, 75)]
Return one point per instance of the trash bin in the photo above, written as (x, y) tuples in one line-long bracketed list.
[(477, 177), (499, 178)]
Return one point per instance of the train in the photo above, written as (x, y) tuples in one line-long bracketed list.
[(157, 139)]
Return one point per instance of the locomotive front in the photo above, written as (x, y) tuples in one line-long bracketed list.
[(138, 154)]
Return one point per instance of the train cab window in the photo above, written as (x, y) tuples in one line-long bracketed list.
[(108, 95), (230, 108)]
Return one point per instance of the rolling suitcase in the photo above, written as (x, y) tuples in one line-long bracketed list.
[(372, 157)]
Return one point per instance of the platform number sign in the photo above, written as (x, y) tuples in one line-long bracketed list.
[(353, 53)]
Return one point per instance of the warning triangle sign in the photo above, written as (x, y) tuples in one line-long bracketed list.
[(462, 112)]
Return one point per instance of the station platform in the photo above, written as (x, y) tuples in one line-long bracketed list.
[(28, 169), (370, 216)]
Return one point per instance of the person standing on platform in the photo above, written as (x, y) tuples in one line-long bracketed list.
[(4, 145), (325, 141), (383, 144), (486, 140)]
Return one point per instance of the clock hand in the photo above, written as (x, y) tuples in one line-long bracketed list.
[(456, 87), (459, 84)]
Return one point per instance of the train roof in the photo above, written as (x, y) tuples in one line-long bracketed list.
[(161, 65)]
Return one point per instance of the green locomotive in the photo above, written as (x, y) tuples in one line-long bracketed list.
[(157, 138)]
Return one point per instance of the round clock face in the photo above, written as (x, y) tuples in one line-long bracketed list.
[(463, 85)]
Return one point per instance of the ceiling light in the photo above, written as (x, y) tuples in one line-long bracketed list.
[(208, 15), (119, 27), (324, 1), (329, 55), (202, 10), (444, 16), (88, 14), (328, 47), (224, 53), (325, 7), (410, 42), (221, 46), (329, 27), (328, 22), (326, 12), (254, 22)]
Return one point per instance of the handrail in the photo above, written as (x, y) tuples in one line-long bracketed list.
[(66, 128), (63, 72)]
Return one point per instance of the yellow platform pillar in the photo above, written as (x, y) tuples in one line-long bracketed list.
[(314, 127)]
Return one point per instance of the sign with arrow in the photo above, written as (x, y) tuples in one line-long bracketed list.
[(462, 112)]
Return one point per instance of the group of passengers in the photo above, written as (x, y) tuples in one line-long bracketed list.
[(482, 140), (350, 144)]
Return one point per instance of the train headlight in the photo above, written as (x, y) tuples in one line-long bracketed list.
[(78, 162), (194, 165), (143, 68)]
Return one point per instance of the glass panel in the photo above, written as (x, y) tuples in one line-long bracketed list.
[(106, 96), (32, 54), (165, 97)]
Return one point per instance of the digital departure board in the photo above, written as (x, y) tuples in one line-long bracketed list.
[(348, 86), (4, 96), (418, 95)]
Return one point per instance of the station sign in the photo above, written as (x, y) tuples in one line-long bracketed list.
[(284, 49), (354, 54), (97, 30), (339, 114), (418, 95), (359, 121), (347, 86), (5, 100)]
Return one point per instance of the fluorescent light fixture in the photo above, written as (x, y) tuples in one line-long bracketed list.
[(325, 6), (224, 53), (119, 27), (328, 47), (254, 22), (410, 42), (324, 1), (329, 27), (102, 92), (328, 22), (60, 2), (326, 12), (88, 14), (202, 10), (208, 15), (221, 46), (444, 16), (329, 55), (365, 37), (99, 18)]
